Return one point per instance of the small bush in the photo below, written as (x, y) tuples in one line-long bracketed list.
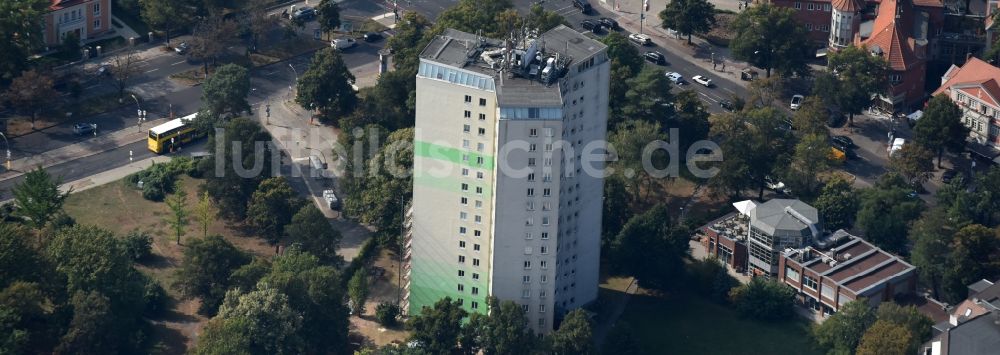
[(763, 299), (158, 180), (154, 297), (138, 245), (386, 313)]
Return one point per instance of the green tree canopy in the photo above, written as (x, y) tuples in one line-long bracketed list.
[(313, 233), (626, 62), (885, 338), (975, 254), (754, 143), (931, 237), (168, 15), (842, 332), (326, 86), (271, 209), (257, 322), (357, 290), (574, 336), (769, 37), (205, 270), (246, 152), (38, 198), (885, 212), (853, 76), (916, 324), (541, 19), (810, 160), (473, 16), (630, 142), (31, 92), (689, 17), (651, 248), (22, 22), (329, 15), (837, 204), (913, 162), (763, 299), (503, 331), (941, 127), (225, 91), (811, 117), (437, 329)]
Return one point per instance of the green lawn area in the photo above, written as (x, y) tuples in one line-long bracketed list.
[(686, 324)]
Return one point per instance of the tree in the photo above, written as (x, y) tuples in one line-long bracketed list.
[(313, 233), (38, 198), (226, 91), (764, 91), (89, 329), (885, 212), (941, 127), (436, 329), (651, 248), (386, 313), (885, 338), (975, 254), (710, 279), (271, 208), (138, 245), (690, 117), (811, 117), (837, 204), (472, 15), (810, 160), (763, 299), (210, 38), (503, 331), (22, 21), (541, 19), (178, 218), (357, 290), (646, 97), (168, 15), (629, 142), (622, 340), (754, 143), (259, 23), (326, 86), (412, 34), (689, 17), (380, 196), (931, 237), (247, 157), (27, 324), (916, 324), (769, 37), (18, 260), (626, 62), (913, 162), (203, 212), (843, 330), (123, 68), (574, 335), (329, 15), (205, 270), (31, 92), (258, 322), (852, 77), (616, 209)]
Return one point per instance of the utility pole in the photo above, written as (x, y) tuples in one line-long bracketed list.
[(399, 245), (642, 14)]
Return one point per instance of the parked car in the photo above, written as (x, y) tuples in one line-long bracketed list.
[(675, 78), (702, 80), (775, 185), (583, 5), (843, 140), (373, 36), (640, 39), (84, 128), (591, 25), (948, 175), (331, 199), (104, 69), (796, 102), (896, 145), (343, 43), (182, 48), (611, 24), (727, 105), (673, 33), (655, 58), (304, 14)]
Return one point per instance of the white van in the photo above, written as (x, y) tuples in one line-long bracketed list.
[(896, 145)]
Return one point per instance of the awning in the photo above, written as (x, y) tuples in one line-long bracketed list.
[(915, 116), (745, 206), (822, 52)]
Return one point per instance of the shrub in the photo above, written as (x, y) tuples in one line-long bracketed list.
[(138, 245), (158, 180), (710, 279), (154, 297), (386, 313), (763, 299)]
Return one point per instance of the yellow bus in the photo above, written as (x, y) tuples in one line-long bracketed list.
[(172, 134)]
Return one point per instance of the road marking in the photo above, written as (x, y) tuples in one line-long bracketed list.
[(180, 62), (707, 97), (150, 71), (91, 87), (730, 91)]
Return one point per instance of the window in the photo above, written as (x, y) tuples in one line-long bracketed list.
[(545, 249), (798, 6), (475, 305), (529, 221), (475, 290), (477, 233), (541, 293), (478, 219), (461, 259), (475, 247), (479, 190), (479, 175), (546, 192), (531, 192), (809, 6), (895, 78), (541, 322), (527, 235), (809, 27), (479, 204), (531, 161), (482, 117), (545, 235), (546, 205), (468, 98), (480, 147), (465, 158), (530, 205), (482, 102), (549, 132), (475, 262), (466, 128), (527, 264), (461, 244), (465, 143), (461, 287), (463, 216), (545, 278), (531, 176), (541, 308), (482, 131), (479, 160), (791, 274), (525, 293), (97, 24), (524, 308), (545, 220), (531, 147), (809, 282), (475, 276), (547, 177), (527, 250), (526, 279), (461, 230), (533, 132), (97, 10), (468, 114), (826, 7), (465, 172), (461, 273), (465, 187)]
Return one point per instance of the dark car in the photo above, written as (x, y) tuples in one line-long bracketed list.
[(304, 14), (727, 105), (843, 140), (84, 128), (591, 26), (583, 5), (182, 48), (655, 57), (373, 37), (948, 175), (609, 23)]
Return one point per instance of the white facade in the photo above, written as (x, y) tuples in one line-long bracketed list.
[(842, 28), (499, 191)]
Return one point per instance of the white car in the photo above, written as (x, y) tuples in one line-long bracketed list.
[(796, 102), (343, 43), (702, 80), (675, 77), (640, 39), (331, 199)]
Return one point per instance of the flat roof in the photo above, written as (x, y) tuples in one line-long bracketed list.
[(850, 262), (774, 217)]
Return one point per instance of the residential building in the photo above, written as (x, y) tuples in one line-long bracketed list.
[(776, 225), (845, 22), (975, 87), (840, 268), (501, 206), (814, 15), (964, 31), (85, 18), (899, 34), (726, 239), (973, 327)]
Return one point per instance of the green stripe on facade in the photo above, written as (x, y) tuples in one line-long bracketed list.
[(431, 281), (448, 154)]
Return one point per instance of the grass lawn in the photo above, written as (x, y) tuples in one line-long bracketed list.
[(686, 324)]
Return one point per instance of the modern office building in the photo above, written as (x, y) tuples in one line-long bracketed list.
[(503, 205), (776, 225)]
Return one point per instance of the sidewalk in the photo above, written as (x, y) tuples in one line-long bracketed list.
[(628, 17), (112, 175), (100, 143)]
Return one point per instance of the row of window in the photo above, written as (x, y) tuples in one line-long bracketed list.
[(461, 245), (461, 260), (813, 7), (468, 114), (544, 264), (475, 290), (464, 216), (475, 232), (474, 305), (530, 205), (823, 28), (468, 99), (546, 192), (480, 146), (529, 235), (541, 309), (529, 250)]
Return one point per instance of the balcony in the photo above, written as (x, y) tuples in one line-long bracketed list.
[(962, 38)]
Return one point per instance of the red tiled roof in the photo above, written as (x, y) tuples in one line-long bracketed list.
[(848, 5), (891, 33), (62, 4), (928, 3), (977, 78)]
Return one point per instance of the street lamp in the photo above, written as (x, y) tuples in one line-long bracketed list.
[(6, 145), (139, 111)]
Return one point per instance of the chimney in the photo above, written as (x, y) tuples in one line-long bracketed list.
[(967, 57), (953, 320)]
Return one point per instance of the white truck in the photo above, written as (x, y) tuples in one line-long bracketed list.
[(896, 145)]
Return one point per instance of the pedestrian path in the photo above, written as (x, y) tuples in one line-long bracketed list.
[(112, 175)]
